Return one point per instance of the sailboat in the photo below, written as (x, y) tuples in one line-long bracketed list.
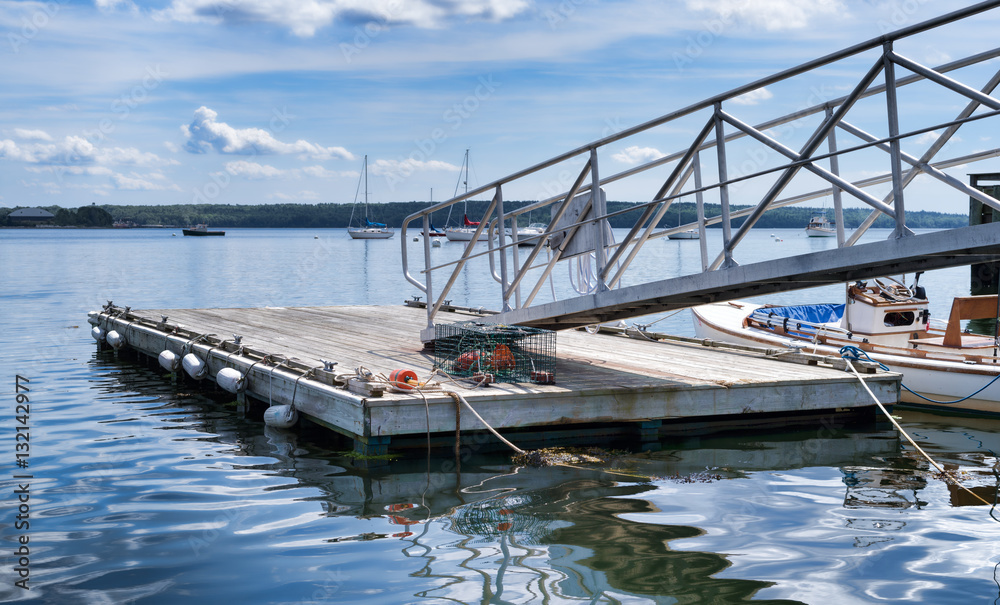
[(434, 231), (687, 234), (367, 229), (468, 228)]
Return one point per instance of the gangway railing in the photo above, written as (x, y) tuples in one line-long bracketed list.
[(579, 230)]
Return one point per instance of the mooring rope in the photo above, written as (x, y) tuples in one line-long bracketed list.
[(914, 443), (852, 352)]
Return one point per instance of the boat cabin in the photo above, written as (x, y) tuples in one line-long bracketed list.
[(886, 311)]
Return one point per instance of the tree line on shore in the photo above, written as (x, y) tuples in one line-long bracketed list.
[(393, 213)]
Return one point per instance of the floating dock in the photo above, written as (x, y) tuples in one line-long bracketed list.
[(638, 387)]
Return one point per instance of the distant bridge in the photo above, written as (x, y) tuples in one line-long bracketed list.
[(578, 231)]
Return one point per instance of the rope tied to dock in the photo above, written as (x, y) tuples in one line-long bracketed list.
[(459, 398)]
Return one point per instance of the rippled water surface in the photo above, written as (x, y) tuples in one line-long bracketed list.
[(143, 490)]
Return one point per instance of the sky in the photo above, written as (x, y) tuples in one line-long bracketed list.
[(280, 101)]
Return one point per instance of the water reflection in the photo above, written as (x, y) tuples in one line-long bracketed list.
[(702, 520)]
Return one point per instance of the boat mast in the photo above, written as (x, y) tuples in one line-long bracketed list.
[(465, 202)]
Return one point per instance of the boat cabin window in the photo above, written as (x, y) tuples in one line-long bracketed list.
[(896, 319)]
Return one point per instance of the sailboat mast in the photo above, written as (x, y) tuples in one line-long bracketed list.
[(366, 189), (465, 168)]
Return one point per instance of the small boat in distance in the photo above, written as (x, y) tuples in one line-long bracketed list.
[(689, 234), (367, 228), (820, 226), (529, 236), (943, 366), (201, 229)]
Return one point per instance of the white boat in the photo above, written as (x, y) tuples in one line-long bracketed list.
[(689, 234), (367, 229), (529, 236), (465, 232), (942, 366), (375, 232), (820, 226)]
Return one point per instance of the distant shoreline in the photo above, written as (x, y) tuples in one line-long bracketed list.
[(340, 216)]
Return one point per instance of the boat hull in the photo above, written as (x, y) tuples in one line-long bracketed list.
[(370, 233), (690, 234), (198, 233), (464, 235), (937, 379)]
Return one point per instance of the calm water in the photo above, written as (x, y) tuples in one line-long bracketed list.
[(145, 492)]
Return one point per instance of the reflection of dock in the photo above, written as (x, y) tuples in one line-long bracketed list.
[(604, 384), (520, 535)]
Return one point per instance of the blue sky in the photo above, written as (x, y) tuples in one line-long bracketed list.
[(270, 101)]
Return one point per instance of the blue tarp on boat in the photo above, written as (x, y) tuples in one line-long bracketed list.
[(368, 223), (825, 313)]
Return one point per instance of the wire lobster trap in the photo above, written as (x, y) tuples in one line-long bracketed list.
[(496, 352)]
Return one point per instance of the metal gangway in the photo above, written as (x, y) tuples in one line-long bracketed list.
[(727, 155)]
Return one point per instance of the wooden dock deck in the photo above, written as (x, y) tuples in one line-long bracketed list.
[(605, 384)]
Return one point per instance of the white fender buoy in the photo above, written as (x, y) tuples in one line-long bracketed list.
[(281, 416), (194, 366), (230, 379), (115, 339), (169, 360), (98, 333), (436, 243)]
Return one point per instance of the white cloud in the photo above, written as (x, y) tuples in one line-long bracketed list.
[(77, 151), (302, 195), (255, 171), (32, 135), (304, 17), (323, 173), (143, 182), (409, 166), (771, 15), (101, 189), (753, 97), (205, 133), (636, 154), (78, 170), (929, 137), (47, 186), (108, 6)]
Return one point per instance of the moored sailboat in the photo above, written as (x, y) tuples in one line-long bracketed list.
[(467, 229), (367, 229)]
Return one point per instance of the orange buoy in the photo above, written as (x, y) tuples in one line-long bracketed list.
[(401, 379), (503, 358), (467, 360)]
